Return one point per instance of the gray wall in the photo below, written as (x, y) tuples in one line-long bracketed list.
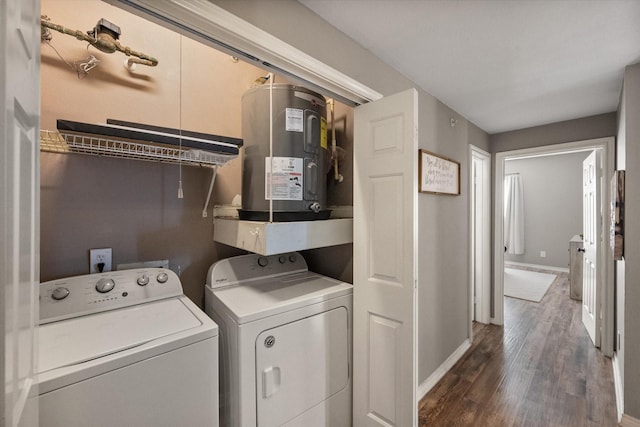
[(478, 137), (129, 206), (443, 300), (581, 129), (293, 23), (443, 243), (628, 289), (552, 188)]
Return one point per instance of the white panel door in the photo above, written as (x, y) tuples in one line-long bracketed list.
[(384, 261), (592, 229), (19, 205)]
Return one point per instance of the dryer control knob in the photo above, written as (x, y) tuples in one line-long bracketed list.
[(162, 277), (60, 293), (143, 280), (263, 261), (292, 258), (104, 285), (282, 259)]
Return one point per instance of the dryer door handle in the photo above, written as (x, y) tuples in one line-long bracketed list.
[(270, 381)]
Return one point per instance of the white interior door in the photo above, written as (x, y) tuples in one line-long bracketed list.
[(384, 253), (480, 217), (19, 201), (592, 229)]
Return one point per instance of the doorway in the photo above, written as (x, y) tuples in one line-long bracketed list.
[(605, 279)]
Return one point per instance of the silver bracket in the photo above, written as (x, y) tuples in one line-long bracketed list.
[(213, 180)]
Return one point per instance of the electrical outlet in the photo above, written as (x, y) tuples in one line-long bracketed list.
[(543, 254), (98, 257)]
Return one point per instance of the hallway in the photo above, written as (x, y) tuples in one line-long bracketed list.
[(541, 369)]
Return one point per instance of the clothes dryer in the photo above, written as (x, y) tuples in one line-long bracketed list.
[(125, 348), (285, 349)]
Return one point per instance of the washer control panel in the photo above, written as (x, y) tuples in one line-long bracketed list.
[(230, 271), (92, 293)]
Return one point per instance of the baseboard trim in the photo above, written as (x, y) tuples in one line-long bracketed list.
[(437, 375), (628, 421), (617, 383), (542, 267)]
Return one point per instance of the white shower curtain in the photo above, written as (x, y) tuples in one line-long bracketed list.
[(513, 215)]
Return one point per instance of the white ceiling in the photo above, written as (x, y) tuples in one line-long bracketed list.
[(502, 64)]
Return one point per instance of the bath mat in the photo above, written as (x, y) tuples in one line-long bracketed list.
[(528, 285)]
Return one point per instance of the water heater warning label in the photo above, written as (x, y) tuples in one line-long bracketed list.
[(286, 179), (295, 120)]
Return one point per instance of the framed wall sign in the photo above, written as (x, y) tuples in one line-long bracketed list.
[(617, 214), (438, 175)]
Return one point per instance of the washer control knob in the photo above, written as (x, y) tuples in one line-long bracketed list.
[(104, 285), (162, 277), (60, 293), (263, 261), (282, 259), (292, 258), (143, 280)]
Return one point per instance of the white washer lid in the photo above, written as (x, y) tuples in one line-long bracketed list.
[(77, 340), (261, 298)]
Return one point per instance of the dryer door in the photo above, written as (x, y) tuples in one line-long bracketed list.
[(300, 365)]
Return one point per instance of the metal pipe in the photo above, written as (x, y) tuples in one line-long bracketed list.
[(104, 42), (213, 180), (334, 146)]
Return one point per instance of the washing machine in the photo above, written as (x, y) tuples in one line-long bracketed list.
[(125, 348), (285, 342)]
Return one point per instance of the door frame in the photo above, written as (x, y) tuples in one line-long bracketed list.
[(606, 288), (480, 287), (20, 212)]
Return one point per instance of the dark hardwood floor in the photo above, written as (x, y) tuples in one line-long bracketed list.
[(541, 369)]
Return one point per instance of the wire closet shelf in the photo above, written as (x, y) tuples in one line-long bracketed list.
[(62, 142)]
